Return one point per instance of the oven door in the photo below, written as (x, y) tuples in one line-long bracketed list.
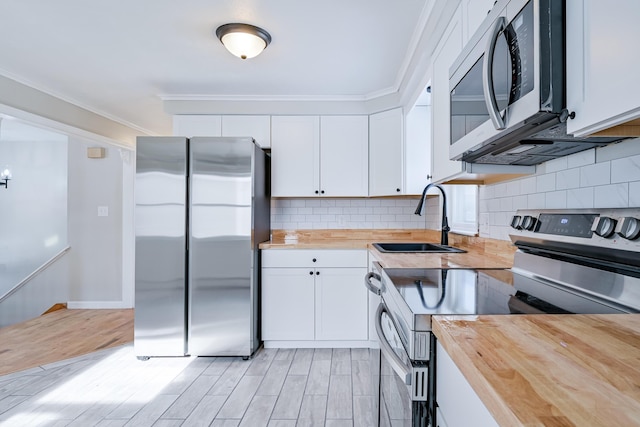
[(403, 384)]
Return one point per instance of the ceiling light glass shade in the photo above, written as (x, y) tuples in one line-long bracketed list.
[(243, 40)]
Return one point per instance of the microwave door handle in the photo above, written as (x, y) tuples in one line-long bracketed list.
[(487, 74), (400, 368)]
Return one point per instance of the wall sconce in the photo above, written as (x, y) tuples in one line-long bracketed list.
[(243, 40), (5, 176)]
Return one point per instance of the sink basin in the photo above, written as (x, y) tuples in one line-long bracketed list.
[(416, 248)]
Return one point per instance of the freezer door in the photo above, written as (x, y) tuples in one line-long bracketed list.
[(221, 274), (160, 258)]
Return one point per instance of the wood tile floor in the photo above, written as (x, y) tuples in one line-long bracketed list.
[(277, 388)]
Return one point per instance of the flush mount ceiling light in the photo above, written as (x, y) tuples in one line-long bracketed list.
[(243, 40)]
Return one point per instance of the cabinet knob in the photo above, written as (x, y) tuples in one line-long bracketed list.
[(311, 273), (317, 273), (316, 191), (322, 192), (429, 176), (397, 190), (314, 260)]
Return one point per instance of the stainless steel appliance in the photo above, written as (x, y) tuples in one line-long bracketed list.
[(507, 88), (568, 261), (202, 207)]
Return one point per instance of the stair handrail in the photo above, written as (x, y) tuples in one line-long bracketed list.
[(34, 273)]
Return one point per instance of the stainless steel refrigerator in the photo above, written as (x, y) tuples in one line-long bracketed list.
[(202, 208)]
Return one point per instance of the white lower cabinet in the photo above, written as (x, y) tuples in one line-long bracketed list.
[(458, 403), (314, 296), (288, 304)]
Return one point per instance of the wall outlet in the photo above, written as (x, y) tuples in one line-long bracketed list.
[(103, 210)]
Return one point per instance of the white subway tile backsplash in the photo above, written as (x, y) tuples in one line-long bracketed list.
[(582, 158), (546, 182), (620, 150), (536, 201), (297, 203), (612, 196), (506, 204), (556, 165), (569, 178), (625, 170), (596, 174), (528, 185), (519, 202), (314, 203), (634, 194), (580, 198), (556, 200), (513, 188)]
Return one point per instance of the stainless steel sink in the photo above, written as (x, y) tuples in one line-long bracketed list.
[(415, 248)]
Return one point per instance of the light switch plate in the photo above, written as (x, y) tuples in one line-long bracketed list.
[(103, 210)]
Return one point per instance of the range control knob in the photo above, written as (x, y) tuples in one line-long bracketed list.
[(604, 226), (515, 222), (628, 228), (528, 222)]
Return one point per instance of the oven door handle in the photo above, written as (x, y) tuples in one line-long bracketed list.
[(367, 282), (401, 369), (487, 74)]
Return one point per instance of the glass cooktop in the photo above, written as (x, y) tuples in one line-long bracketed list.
[(482, 291)]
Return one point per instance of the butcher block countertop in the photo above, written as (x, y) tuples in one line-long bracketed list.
[(481, 252), (549, 370)]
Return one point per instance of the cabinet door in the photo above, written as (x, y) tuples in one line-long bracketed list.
[(197, 125), (451, 390), (295, 156), (418, 149), (386, 153), (288, 304), (341, 304), (257, 127), (344, 160), (448, 49), (602, 64)]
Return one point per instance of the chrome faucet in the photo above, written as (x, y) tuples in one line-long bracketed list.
[(444, 237)]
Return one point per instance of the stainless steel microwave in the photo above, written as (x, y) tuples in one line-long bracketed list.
[(507, 88)]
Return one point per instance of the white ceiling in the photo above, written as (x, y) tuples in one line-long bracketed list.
[(117, 57)]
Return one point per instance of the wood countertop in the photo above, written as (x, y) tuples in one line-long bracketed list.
[(549, 370), (481, 252)]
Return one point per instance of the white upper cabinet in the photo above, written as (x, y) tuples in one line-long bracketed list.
[(386, 153), (344, 160), (295, 156), (418, 149), (319, 156), (603, 65), (197, 125), (257, 127), (446, 52)]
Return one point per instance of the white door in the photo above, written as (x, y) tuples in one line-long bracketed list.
[(341, 304), (288, 304), (295, 156), (344, 156), (386, 153)]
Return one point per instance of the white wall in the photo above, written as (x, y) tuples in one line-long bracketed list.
[(607, 177), (96, 242), (33, 208)]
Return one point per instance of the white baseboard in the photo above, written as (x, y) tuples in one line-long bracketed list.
[(316, 344), (85, 305)]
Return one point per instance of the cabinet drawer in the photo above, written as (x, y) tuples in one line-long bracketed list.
[(314, 258)]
